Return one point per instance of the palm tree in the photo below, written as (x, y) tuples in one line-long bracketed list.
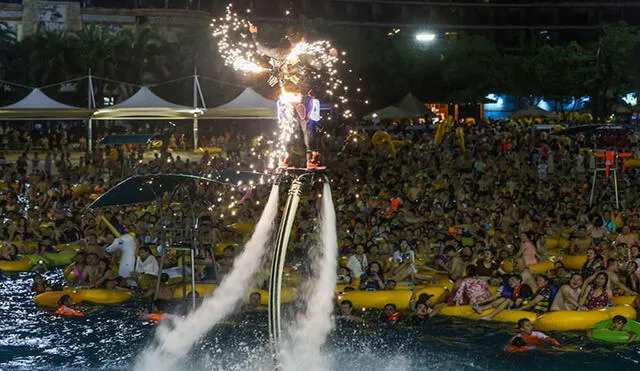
[(47, 57), (8, 42), (95, 49), (141, 56)]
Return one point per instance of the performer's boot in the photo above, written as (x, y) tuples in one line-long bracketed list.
[(313, 160), (284, 161)]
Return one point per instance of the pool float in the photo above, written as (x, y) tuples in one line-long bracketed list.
[(220, 246), (623, 300), (556, 242), (564, 320), (241, 227), (67, 246), (574, 262), (203, 290), (539, 268), (207, 289), (288, 295), (54, 259), (509, 315), (94, 296), (23, 265), (201, 150), (378, 299), (603, 332)]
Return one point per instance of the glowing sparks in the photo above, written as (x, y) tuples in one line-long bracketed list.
[(234, 42)]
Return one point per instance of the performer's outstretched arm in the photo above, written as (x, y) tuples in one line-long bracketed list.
[(275, 53)]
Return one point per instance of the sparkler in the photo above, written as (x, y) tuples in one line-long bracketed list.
[(234, 43), (239, 52)]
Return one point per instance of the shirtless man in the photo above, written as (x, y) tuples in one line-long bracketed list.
[(528, 276), (91, 272), (581, 242), (612, 271), (568, 295), (455, 266)]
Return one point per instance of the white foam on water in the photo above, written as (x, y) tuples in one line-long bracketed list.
[(309, 335), (173, 344)]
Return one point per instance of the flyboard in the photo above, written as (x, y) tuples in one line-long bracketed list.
[(301, 177)]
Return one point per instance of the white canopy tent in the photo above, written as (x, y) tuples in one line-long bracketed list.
[(407, 108), (248, 105), (37, 105), (146, 105), (534, 112)]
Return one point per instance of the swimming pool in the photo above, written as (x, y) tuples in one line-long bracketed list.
[(112, 338)]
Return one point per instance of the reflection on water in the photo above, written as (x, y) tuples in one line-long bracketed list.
[(112, 338)]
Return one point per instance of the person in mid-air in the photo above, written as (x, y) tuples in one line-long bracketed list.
[(292, 70)]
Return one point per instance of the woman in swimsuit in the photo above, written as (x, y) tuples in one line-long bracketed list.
[(596, 292)]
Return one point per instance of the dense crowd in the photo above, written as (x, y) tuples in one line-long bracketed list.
[(402, 213)]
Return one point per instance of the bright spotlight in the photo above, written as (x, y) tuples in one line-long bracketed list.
[(425, 37)]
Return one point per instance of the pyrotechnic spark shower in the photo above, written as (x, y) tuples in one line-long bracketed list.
[(239, 52)]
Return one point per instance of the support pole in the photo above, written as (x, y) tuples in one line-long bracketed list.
[(195, 131), (90, 135), (277, 264), (615, 187), (593, 186)]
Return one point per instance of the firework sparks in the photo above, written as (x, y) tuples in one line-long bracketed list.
[(234, 43)]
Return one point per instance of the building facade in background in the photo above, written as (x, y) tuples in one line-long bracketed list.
[(30, 16)]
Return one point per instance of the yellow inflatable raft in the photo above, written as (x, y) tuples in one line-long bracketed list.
[(623, 300), (288, 294), (539, 268), (401, 298), (23, 265), (465, 311), (94, 296), (572, 320)]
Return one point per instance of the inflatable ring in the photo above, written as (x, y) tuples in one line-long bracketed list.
[(378, 299), (538, 268), (241, 227), (23, 265), (203, 290), (602, 331), (623, 300), (288, 295), (564, 320), (94, 296), (510, 315), (201, 150), (67, 246), (574, 262), (221, 246)]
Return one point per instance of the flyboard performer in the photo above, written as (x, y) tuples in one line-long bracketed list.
[(298, 109), (298, 70)]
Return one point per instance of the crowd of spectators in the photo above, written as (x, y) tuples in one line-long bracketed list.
[(436, 205)]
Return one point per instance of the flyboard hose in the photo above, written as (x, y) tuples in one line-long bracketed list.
[(277, 264)]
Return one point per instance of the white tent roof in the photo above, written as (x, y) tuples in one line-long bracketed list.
[(38, 100), (145, 98), (248, 105), (389, 113), (249, 98), (414, 106)]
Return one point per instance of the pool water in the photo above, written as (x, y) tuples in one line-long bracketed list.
[(112, 338)]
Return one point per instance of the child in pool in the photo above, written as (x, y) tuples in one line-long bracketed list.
[(528, 338), (617, 324), (65, 309)]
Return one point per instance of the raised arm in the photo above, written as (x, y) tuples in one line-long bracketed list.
[(275, 53)]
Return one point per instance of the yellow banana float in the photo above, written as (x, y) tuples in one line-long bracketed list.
[(378, 299), (93, 296), (465, 311), (563, 320)]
